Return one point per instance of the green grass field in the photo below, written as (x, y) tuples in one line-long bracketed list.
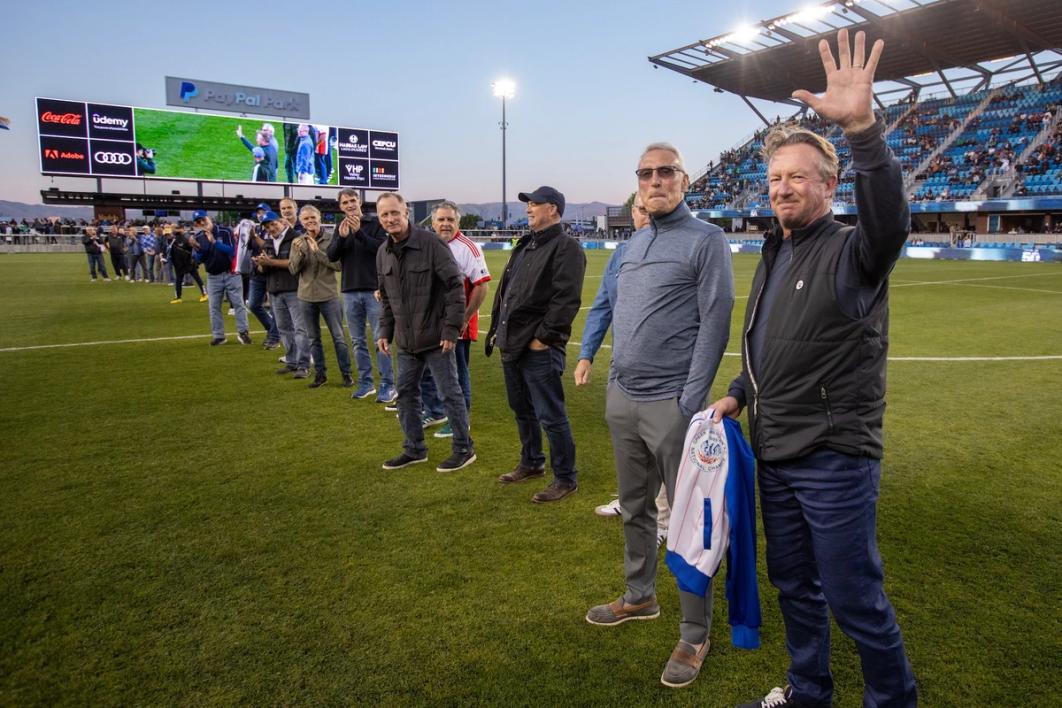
[(202, 146), (182, 527)]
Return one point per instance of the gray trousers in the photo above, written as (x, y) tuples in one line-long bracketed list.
[(647, 441)]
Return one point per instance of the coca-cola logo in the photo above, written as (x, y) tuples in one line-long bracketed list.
[(61, 118)]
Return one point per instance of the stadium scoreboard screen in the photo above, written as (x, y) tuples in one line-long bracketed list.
[(79, 138)]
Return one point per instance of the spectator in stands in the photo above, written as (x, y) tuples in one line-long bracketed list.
[(813, 372), (445, 218), (354, 244), (94, 251), (215, 248), (422, 310), (671, 323), (531, 322), (317, 295), (116, 247), (598, 320), (283, 287)]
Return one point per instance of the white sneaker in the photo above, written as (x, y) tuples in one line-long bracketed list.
[(232, 311), (610, 509)]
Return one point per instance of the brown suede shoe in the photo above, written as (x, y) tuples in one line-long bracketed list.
[(556, 491), (685, 664), (520, 473)]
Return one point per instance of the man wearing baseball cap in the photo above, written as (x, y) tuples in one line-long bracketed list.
[(531, 322), (215, 248), (283, 288)]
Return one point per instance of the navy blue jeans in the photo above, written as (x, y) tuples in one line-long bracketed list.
[(256, 291), (311, 315), (820, 520), (536, 397)]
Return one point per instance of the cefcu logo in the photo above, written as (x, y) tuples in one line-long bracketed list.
[(188, 91)]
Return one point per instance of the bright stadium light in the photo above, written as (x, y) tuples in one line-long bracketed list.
[(812, 13), (503, 89), (742, 35)]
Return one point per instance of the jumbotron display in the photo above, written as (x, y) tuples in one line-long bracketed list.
[(103, 140)]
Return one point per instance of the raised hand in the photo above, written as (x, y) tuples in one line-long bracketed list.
[(849, 87)]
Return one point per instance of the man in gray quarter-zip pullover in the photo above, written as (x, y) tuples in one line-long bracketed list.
[(670, 326)]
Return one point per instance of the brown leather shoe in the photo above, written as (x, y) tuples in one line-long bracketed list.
[(520, 473), (685, 664), (556, 491)]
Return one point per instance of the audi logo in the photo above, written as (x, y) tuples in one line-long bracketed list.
[(113, 158)]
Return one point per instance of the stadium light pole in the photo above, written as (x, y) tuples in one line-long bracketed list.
[(504, 88)]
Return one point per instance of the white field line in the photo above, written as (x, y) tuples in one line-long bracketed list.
[(573, 343), (959, 281)]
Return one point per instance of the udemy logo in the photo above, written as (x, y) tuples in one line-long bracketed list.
[(188, 91)]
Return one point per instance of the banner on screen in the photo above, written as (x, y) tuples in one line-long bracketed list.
[(95, 139)]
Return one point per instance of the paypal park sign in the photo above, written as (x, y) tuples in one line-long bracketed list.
[(194, 93)]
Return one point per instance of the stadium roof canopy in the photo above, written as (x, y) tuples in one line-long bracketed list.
[(931, 46)]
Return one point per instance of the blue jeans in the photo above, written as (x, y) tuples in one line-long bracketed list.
[(536, 397), (312, 312), (287, 313), (429, 393), (361, 308), (96, 263), (820, 519), (219, 287), (411, 368), (256, 292)]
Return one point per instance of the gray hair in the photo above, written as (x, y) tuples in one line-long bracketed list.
[(392, 195), (349, 192), (311, 208), (446, 204), (667, 147), (784, 135)]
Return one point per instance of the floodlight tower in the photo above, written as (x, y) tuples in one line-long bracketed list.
[(504, 88)]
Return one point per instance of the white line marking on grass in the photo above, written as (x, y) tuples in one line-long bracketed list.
[(119, 341), (912, 283)]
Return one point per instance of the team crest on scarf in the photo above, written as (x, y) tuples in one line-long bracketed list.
[(708, 450)]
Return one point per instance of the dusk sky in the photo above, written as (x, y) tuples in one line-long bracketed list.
[(587, 100)]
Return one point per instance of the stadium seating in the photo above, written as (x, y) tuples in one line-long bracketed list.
[(1016, 136)]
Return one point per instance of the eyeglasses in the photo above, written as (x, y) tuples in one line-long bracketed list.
[(665, 172)]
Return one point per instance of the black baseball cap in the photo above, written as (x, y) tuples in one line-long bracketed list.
[(545, 195)]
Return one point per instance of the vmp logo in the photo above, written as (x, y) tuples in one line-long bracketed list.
[(353, 173), (188, 91)]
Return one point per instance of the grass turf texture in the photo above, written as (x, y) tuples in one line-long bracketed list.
[(183, 527), (201, 146)]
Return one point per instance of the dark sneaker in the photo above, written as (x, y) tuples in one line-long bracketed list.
[(428, 420), (387, 394), (301, 374), (520, 473), (217, 340), (619, 611), (685, 664), (556, 491), (403, 460), (777, 698), (271, 344), (284, 370), (318, 381), (348, 381), (244, 337), (446, 431), (364, 391), (457, 461)]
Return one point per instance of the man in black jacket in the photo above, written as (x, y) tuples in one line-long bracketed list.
[(813, 375), (531, 322), (354, 244), (423, 307), (94, 253)]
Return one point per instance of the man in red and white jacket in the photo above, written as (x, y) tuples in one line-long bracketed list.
[(445, 219)]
